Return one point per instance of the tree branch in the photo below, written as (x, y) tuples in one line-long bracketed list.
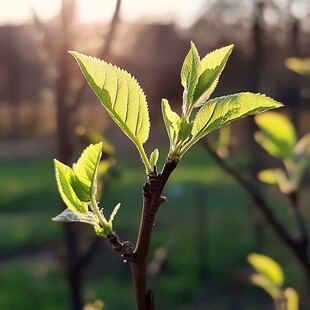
[(299, 249), (152, 200)]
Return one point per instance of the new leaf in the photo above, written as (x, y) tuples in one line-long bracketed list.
[(85, 171), (76, 186), (221, 111), (122, 97)]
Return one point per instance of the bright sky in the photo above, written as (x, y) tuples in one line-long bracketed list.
[(19, 11)]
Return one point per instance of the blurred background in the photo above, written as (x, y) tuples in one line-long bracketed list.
[(209, 225)]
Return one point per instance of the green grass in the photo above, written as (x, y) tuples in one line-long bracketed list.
[(200, 197)]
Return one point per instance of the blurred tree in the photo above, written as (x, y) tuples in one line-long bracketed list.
[(67, 103)]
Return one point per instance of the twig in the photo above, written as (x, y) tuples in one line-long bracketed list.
[(299, 249), (152, 200)]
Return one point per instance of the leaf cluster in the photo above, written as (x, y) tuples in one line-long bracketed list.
[(278, 137), (78, 187), (270, 278), (124, 100)]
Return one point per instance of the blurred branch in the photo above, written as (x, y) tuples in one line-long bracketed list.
[(103, 54), (299, 248), (303, 231)]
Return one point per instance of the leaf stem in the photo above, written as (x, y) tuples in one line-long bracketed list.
[(94, 207), (144, 158)]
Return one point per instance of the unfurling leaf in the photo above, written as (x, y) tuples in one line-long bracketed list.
[(266, 266), (185, 129), (172, 121), (154, 157), (212, 66), (122, 97), (190, 73), (277, 135), (85, 171), (64, 179)]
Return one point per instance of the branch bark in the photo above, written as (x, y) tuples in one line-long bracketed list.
[(152, 200)]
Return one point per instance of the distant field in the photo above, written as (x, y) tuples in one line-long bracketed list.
[(205, 228)]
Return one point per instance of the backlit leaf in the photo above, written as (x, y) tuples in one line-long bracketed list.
[(268, 286), (190, 73), (268, 267), (277, 135), (120, 94), (268, 176), (172, 121), (212, 66), (223, 110), (85, 171), (292, 299), (64, 179), (154, 157)]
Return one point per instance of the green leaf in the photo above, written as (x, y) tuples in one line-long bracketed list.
[(267, 267), (122, 97), (85, 172), (299, 65), (68, 216), (64, 179), (292, 299), (221, 111), (172, 121), (264, 282), (212, 66), (277, 135), (154, 157), (190, 73), (268, 176), (185, 129)]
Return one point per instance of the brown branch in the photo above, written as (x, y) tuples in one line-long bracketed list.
[(299, 249), (125, 248), (103, 54), (152, 200)]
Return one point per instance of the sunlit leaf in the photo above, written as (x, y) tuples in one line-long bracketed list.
[(154, 157), (223, 110), (85, 171), (185, 129), (120, 94), (68, 216), (190, 73), (277, 136), (64, 179), (172, 121), (299, 65), (267, 285), (267, 267), (268, 176), (292, 299), (212, 66)]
